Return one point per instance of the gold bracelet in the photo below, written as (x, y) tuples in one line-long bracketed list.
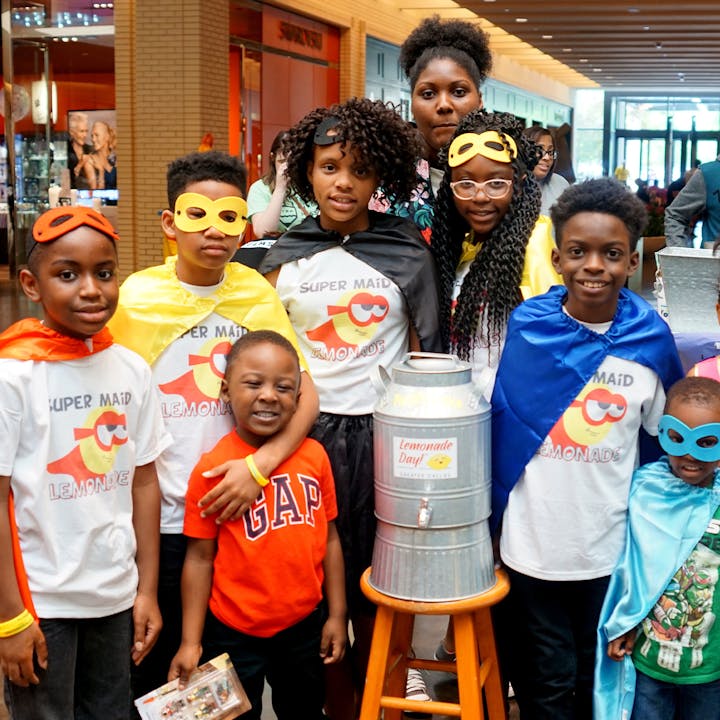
[(259, 478), (16, 625)]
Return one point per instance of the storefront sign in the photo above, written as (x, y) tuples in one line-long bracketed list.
[(300, 35)]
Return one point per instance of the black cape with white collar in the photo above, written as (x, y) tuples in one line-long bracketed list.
[(391, 245)]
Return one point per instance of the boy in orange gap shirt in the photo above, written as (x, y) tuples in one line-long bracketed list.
[(80, 428), (264, 574)]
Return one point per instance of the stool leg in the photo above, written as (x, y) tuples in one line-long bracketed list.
[(377, 664), (400, 644), (494, 691), (468, 667)]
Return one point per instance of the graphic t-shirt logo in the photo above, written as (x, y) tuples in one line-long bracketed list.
[(98, 441), (589, 418), (207, 369), (353, 322)]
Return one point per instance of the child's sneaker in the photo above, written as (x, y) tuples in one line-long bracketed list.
[(416, 689)]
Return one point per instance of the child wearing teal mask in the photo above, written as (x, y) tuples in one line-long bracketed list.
[(658, 621)]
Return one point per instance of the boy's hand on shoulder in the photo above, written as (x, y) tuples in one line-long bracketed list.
[(147, 623), (233, 495), (17, 652), (622, 646), (184, 663), (333, 640)]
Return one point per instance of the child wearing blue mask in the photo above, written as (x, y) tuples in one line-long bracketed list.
[(658, 620)]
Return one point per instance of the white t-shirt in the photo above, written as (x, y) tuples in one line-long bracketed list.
[(188, 374), (565, 518), (348, 318), (71, 435)]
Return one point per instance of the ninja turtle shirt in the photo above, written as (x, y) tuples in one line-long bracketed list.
[(679, 638)]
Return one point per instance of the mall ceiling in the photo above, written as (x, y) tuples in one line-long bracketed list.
[(656, 45)]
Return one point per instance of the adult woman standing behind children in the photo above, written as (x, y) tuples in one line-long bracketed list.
[(551, 184), (446, 62), (360, 290)]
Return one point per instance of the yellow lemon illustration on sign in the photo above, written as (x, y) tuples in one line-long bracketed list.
[(439, 461)]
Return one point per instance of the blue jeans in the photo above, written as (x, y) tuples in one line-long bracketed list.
[(658, 700), (290, 660), (87, 676)]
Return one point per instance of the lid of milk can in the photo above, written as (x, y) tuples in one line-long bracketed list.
[(434, 369)]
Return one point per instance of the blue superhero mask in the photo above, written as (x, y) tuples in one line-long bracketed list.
[(701, 442)]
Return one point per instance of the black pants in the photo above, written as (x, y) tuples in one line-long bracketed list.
[(547, 639), (290, 660)]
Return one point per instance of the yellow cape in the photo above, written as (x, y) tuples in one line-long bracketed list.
[(154, 308)]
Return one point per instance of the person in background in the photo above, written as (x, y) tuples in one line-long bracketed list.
[(551, 183), (699, 199), (659, 619), (446, 62), (272, 207)]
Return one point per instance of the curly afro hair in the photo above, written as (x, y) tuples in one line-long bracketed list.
[(457, 40), (370, 129), (603, 195), (491, 288)]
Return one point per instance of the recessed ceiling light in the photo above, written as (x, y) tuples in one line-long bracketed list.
[(646, 27), (567, 49), (597, 69), (583, 60), (520, 20), (547, 37)]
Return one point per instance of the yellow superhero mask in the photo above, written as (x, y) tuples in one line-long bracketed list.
[(196, 213), (489, 144)]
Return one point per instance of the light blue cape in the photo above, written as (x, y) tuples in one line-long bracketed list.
[(667, 518)]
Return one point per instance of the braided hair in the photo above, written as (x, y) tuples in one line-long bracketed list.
[(491, 288), (458, 40), (379, 136)]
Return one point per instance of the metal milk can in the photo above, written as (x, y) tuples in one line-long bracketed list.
[(432, 481)]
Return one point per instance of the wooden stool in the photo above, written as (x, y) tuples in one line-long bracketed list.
[(391, 655)]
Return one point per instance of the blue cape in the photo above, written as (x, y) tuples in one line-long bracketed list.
[(548, 359), (666, 520)]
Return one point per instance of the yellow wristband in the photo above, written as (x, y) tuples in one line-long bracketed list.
[(259, 478), (16, 625)]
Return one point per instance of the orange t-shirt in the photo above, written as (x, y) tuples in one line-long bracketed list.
[(268, 569)]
